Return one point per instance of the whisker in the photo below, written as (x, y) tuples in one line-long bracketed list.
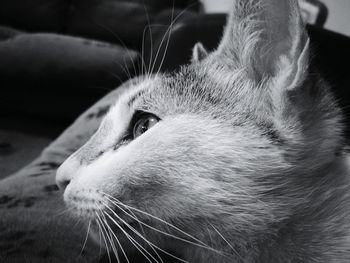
[(167, 32), (104, 239), (150, 34), (119, 40), (168, 40), (100, 250), (86, 238), (233, 249), (77, 222), (119, 244), (205, 247), (132, 240), (157, 218), (63, 212), (162, 232), (170, 27), (117, 77), (127, 69), (143, 64), (108, 237), (136, 232), (115, 250), (141, 227), (152, 245)]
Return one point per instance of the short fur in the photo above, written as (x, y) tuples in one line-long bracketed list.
[(246, 158)]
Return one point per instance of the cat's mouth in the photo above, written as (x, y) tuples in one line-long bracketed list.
[(93, 206)]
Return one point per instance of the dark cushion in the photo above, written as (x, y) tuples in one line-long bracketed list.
[(34, 223), (121, 21), (116, 21), (51, 69)]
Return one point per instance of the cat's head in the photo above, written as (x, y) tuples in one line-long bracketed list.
[(231, 142)]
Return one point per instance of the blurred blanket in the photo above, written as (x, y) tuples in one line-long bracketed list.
[(34, 224)]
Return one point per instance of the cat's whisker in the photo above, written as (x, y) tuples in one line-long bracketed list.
[(77, 222), (135, 231), (228, 243), (116, 238), (117, 77), (108, 229), (165, 51), (143, 236), (170, 27), (104, 235), (86, 237), (108, 237), (151, 38), (63, 212), (134, 242), (100, 240), (143, 64), (156, 218), (119, 40), (140, 225), (168, 41), (162, 232), (210, 237), (104, 239), (146, 69), (167, 32), (126, 69), (130, 238), (165, 233)]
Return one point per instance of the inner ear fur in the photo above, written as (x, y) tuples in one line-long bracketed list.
[(267, 38)]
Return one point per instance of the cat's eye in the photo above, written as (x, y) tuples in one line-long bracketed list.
[(145, 122)]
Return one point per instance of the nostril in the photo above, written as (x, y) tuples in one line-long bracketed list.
[(66, 172), (62, 185)]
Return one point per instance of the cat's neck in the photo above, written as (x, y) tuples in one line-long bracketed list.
[(317, 232)]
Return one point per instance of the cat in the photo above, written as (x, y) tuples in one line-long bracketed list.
[(237, 157)]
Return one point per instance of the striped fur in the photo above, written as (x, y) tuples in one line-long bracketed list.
[(245, 157)]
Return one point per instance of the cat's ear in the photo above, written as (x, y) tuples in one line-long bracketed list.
[(267, 39), (199, 52)]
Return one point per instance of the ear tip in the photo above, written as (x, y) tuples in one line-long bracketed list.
[(199, 47), (199, 52)]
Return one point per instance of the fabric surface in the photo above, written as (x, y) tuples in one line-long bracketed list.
[(17, 149), (60, 74), (59, 59), (99, 19), (34, 225)]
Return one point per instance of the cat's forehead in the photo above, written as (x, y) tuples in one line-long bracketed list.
[(186, 91), (204, 88)]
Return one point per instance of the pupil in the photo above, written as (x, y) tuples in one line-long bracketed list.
[(144, 127)]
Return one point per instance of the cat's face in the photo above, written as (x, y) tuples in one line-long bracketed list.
[(223, 144)]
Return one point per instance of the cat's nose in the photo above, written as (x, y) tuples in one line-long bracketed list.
[(63, 177)]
